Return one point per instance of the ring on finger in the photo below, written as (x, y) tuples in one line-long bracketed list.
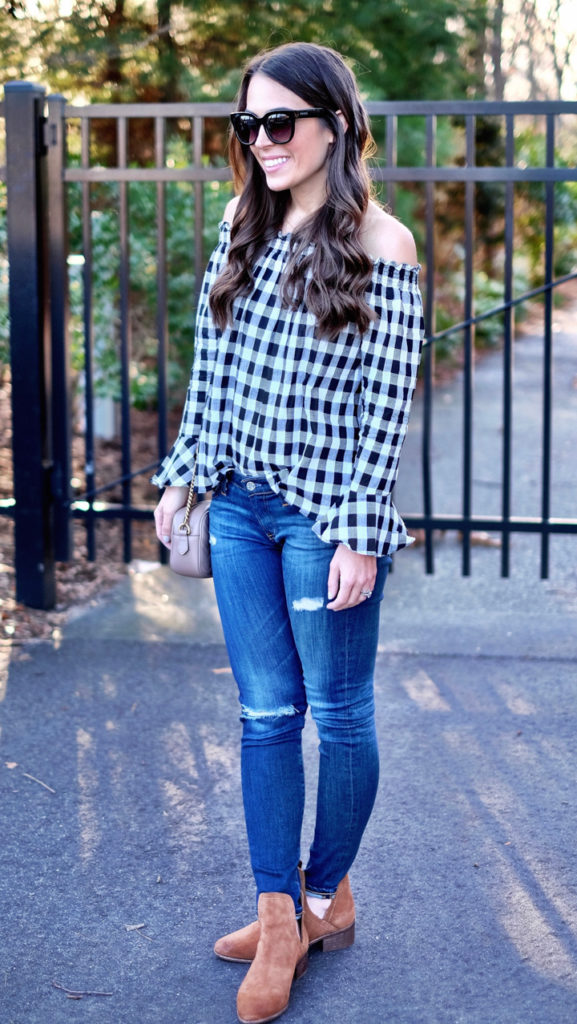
[(366, 593)]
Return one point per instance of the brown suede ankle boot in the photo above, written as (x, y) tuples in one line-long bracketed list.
[(336, 930), (239, 946), (281, 956)]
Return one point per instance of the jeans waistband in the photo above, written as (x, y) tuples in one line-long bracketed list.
[(241, 478), (249, 481)]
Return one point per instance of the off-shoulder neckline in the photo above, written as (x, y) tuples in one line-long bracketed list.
[(284, 236)]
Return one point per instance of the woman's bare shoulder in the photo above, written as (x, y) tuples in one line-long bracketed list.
[(230, 210), (383, 236)]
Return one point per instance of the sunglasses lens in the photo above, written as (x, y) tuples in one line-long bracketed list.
[(246, 128), (279, 127)]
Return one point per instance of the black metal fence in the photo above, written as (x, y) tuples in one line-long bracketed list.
[(54, 158)]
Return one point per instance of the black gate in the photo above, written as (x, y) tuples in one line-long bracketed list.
[(52, 161)]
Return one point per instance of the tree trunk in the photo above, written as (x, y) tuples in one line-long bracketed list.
[(496, 51), (168, 64)]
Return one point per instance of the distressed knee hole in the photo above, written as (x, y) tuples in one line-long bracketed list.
[(285, 711), (308, 604), (212, 540)]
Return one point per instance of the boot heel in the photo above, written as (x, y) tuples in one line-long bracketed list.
[(301, 966), (341, 940)]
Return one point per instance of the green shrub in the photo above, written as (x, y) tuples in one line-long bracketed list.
[(180, 227)]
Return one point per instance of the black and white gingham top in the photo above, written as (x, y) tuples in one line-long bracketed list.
[(324, 421)]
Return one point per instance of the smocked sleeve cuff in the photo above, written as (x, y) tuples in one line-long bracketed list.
[(176, 469), (366, 523)]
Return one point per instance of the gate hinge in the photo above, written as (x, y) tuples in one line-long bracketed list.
[(49, 133)]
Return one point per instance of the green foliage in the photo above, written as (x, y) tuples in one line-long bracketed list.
[(127, 50), (122, 50), (157, 50), (488, 294), (143, 266), (531, 220), (399, 50)]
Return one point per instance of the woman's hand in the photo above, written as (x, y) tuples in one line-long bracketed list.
[(172, 499), (349, 575)]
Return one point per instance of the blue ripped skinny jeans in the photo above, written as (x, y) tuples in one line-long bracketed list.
[(288, 651)]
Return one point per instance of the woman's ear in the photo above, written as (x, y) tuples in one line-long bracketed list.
[(342, 119)]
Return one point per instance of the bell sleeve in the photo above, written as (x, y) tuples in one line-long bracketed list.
[(363, 516)]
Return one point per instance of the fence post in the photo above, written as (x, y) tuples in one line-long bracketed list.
[(62, 412), (29, 344)]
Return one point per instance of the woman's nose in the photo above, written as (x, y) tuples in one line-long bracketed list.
[(262, 138)]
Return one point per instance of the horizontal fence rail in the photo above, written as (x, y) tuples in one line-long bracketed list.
[(95, 169)]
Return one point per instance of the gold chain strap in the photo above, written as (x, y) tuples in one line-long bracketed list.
[(190, 500)]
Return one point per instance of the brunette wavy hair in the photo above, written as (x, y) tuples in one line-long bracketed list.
[(332, 275)]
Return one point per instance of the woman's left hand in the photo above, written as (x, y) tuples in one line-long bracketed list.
[(349, 575), (172, 499)]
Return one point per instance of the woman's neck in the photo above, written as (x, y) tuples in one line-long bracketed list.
[(301, 208)]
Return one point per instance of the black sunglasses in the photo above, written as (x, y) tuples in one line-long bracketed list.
[(279, 125)]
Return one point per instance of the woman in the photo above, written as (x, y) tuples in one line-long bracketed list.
[(308, 340)]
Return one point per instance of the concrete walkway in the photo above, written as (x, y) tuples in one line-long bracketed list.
[(123, 854)]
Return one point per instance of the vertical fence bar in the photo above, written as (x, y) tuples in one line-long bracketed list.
[(508, 337), (391, 121), (87, 277), (469, 349), (161, 297), (125, 338), (161, 285), (58, 270), (198, 209), (548, 352), (29, 344), (429, 354)]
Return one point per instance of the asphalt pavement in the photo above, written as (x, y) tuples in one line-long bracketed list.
[(123, 853)]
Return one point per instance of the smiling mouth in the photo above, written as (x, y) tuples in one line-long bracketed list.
[(271, 164)]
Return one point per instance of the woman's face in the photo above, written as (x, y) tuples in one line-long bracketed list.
[(301, 164)]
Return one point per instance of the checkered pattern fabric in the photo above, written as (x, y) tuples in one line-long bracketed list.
[(324, 421)]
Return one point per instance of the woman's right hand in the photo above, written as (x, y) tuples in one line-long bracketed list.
[(172, 499)]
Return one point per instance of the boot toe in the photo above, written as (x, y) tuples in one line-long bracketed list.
[(240, 946)]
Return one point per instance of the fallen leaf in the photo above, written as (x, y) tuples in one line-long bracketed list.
[(481, 539), (39, 781), (72, 993)]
